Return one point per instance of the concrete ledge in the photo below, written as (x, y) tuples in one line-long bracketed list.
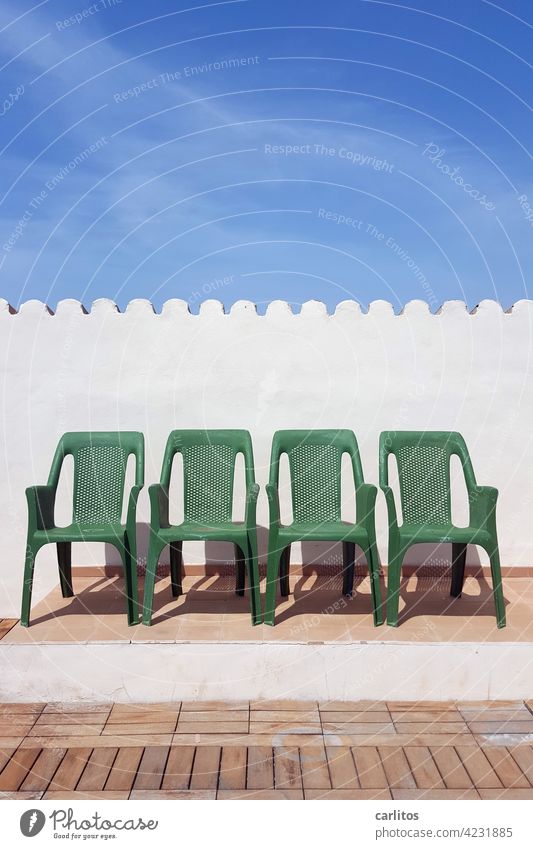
[(149, 672)]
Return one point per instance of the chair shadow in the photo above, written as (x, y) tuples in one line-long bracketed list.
[(104, 597), (433, 591)]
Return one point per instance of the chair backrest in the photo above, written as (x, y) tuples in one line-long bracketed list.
[(315, 464), (100, 461), (423, 460), (209, 458)]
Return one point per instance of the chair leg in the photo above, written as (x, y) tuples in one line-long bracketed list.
[(27, 585), (272, 576), (393, 587), (348, 560), (64, 559), (373, 569), (240, 562), (176, 567), (253, 579), (154, 550), (284, 571), (128, 551), (497, 588), (458, 568)]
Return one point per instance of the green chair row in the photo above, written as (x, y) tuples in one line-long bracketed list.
[(315, 459)]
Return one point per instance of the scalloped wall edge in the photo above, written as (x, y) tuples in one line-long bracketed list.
[(140, 306)]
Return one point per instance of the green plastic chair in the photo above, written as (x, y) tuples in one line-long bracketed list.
[(423, 460), (100, 460), (315, 459), (208, 473)]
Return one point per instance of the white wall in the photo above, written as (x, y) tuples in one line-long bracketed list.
[(139, 370)]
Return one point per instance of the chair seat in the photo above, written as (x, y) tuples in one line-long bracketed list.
[(444, 533), (222, 531), (82, 533), (328, 531)]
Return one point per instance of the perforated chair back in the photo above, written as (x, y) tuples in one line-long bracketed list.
[(315, 464), (423, 460), (100, 462), (209, 458)]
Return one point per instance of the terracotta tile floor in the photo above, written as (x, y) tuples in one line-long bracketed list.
[(315, 611), (267, 750)]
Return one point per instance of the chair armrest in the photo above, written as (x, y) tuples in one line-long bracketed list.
[(252, 493), (132, 505), (159, 506), (41, 503), (483, 506), (365, 502), (391, 508), (273, 503)]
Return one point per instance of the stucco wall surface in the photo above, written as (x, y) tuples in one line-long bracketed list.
[(370, 371)]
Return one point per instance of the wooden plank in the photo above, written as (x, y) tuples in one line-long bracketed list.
[(287, 771), (138, 728), (17, 769), (76, 707), (86, 794), (489, 715), (338, 717), (507, 793), (478, 767), (43, 770), (314, 767), (64, 730), (353, 793), (70, 769), (369, 768), (5, 756), (429, 728), (505, 767), (368, 728), (423, 768), (403, 794), (422, 705), (427, 716), (18, 708), (124, 768), (215, 716), (450, 767), (283, 704), (198, 795), (275, 728), (97, 770), (255, 795), (142, 717), (260, 770), (233, 768), (523, 756), (185, 727), (396, 767), (506, 727), (107, 740), (205, 769), (79, 719), (363, 705), (151, 768), (213, 705), (299, 717), (178, 769), (342, 768)]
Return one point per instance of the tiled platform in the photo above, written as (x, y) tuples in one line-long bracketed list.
[(268, 750), (315, 611), (324, 646)]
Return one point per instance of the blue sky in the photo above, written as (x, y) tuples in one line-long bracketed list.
[(261, 149)]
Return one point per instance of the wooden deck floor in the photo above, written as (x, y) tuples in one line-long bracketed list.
[(267, 750)]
